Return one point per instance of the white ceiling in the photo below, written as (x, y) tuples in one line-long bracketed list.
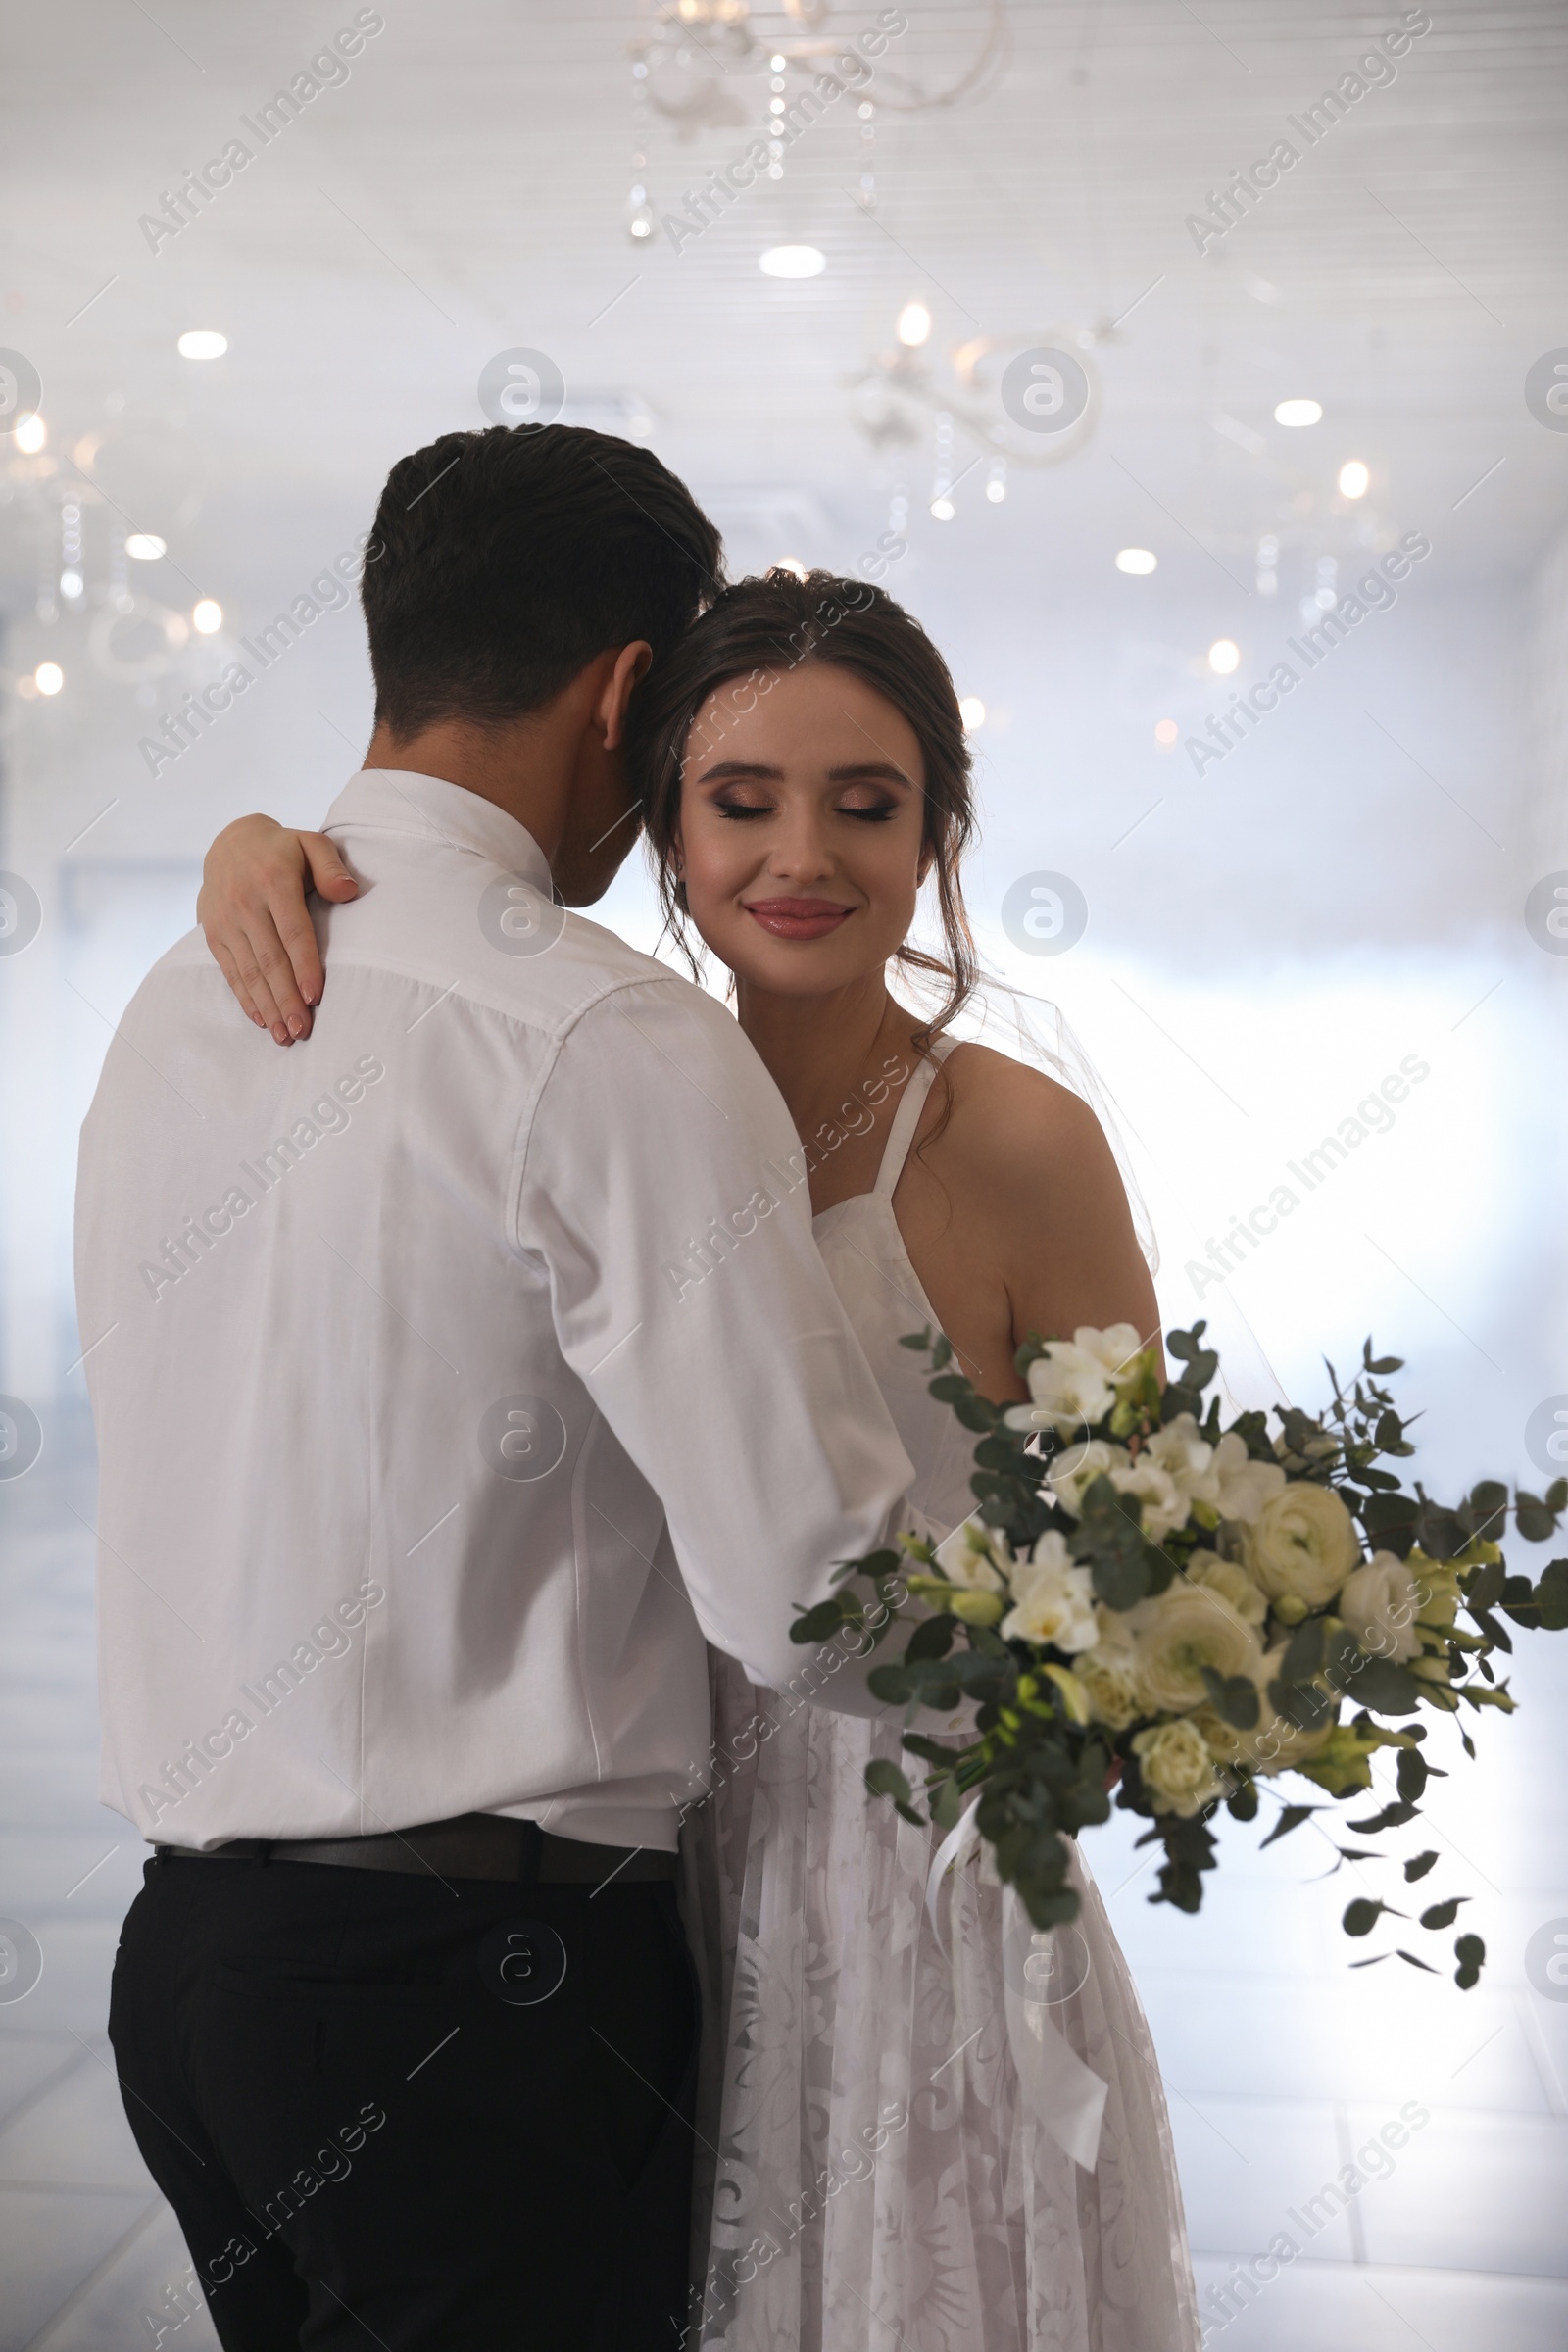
[(466, 190)]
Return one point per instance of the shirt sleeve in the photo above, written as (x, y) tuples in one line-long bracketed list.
[(666, 1189)]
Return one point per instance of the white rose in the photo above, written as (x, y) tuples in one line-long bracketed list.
[(1380, 1603), (1162, 1506), (1177, 1768), (1074, 1472), (1274, 1744), (1054, 1599), (1231, 1581), (1243, 1486), (1185, 1629), (1067, 1387), (975, 1556), (1109, 1679), (1304, 1541)]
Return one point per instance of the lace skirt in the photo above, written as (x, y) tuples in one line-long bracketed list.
[(869, 2177)]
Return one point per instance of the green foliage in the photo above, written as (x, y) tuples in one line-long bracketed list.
[(1040, 1773), (1471, 1954), (884, 1779), (1290, 1818), (1236, 1700)]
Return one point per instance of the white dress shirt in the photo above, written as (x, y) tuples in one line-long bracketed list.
[(456, 1371)]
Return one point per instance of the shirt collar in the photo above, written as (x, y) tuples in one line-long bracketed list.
[(395, 800)]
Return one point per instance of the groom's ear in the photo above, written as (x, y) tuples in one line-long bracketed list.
[(632, 665)]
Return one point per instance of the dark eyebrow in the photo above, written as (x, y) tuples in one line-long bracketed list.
[(859, 773), (865, 770), (724, 769)]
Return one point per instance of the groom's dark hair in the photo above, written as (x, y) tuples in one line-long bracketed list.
[(502, 561)]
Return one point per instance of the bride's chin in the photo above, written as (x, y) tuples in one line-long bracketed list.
[(799, 970)]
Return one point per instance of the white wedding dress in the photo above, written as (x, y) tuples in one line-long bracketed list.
[(875, 2179)]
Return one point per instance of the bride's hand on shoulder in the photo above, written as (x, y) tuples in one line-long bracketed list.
[(252, 910)]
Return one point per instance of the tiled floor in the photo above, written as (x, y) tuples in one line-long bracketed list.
[(1281, 2064)]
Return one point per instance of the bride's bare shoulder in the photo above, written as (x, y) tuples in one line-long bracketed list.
[(1007, 1121)]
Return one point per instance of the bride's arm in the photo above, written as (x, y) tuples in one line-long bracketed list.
[(252, 910), (1017, 1221)]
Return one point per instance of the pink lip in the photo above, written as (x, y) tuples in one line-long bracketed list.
[(797, 919)]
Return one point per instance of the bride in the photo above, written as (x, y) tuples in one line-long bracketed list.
[(877, 2174)]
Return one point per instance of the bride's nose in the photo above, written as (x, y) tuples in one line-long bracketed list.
[(799, 851)]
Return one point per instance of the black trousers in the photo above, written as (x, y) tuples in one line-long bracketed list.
[(373, 2133)]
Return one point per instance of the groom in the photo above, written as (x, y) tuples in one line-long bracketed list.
[(423, 1483)]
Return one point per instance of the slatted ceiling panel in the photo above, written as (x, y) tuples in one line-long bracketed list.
[(482, 158)]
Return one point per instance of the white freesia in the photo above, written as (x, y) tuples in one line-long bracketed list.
[(975, 1556), (1053, 1598), (1114, 1348), (1186, 1456), (1075, 1380), (1231, 1580), (1242, 1486), (1072, 1473), (1066, 1388), (1162, 1505), (1380, 1604)]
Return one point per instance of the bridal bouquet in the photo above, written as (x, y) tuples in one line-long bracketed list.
[(1205, 1607)]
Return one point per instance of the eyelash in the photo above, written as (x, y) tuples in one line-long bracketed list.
[(878, 815)]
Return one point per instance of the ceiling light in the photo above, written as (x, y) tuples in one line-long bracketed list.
[(207, 617), (777, 63), (1224, 655), (48, 677), (203, 343), (996, 489), (72, 585), (1355, 478), (792, 261), (914, 325), (31, 435), (972, 711), (1167, 731), (145, 547), (789, 564), (1299, 411), (1137, 559), (943, 509)]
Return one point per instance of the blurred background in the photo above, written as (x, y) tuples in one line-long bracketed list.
[(1029, 315)]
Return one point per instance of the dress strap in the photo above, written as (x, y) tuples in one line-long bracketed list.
[(906, 1118)]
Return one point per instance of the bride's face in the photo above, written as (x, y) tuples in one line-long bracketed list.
[(801, 827)]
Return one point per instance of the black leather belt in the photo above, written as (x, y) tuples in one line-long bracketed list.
[(476, 1846)]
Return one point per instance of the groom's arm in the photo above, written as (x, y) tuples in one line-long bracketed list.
[(661, 1182)]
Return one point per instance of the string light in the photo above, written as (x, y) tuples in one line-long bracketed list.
[(941, 505), (639, 212)]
